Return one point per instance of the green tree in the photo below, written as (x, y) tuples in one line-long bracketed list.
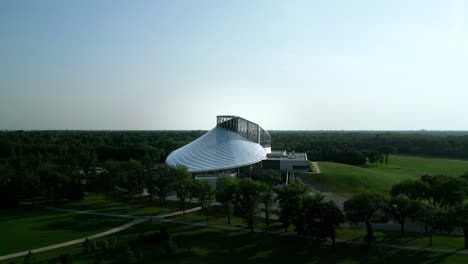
[(266, 197), (271, 177), (290, 202), (331, 218), (9, 195), (400, 208), (308, 220), (413, 189), (203, 191), (109, 178), (226, 188), (160, 183), (448, 191), (462, 220), (387, 150), (249, 193), (362, 207), (182, 184)]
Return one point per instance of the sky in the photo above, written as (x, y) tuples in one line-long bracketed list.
[(287, 65)]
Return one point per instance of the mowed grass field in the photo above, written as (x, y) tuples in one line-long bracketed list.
[(29, 228), (346, 180)]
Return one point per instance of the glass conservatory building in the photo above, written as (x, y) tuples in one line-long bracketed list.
[(235, 146)]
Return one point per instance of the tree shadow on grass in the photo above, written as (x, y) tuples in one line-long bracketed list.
[(80, 224)]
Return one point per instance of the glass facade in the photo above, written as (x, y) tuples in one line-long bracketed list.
[(245, 128)]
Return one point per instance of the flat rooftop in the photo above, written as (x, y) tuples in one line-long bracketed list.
[(283, 155)]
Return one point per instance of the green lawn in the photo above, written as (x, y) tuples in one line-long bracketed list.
[(137, 207), (208, 245), (28, 228), (346, 180)]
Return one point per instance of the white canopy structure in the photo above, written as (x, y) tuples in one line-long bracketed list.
[(233, 143)]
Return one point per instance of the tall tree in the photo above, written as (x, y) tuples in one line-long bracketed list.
[(400, 208), (203, 191), (362, 207), (226, 188), (249, 193), (266, 197), (413, 189), (445, 191), (387, 150), (270, 179), (182, 184), (163, 183), (290, 201), (331, 218), (9, 195), (462, 220)]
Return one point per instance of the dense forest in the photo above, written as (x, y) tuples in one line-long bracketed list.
[(55, 164)]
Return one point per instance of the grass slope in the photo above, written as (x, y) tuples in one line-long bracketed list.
[(346, 180)]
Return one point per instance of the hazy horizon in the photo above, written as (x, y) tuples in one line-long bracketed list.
[(286, 65)]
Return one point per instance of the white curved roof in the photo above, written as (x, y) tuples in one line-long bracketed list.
[(217, 150)]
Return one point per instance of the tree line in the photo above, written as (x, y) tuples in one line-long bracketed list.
[(62, 164), (437, 202), (333, 145)]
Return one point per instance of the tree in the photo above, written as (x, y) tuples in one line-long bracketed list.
[(9, 195), (445, 191), (290, 202), (308, 218), (132, 176), (182, 184), (226, 188), (249, 193), (331, 218), (319, 218), (435, 218), (362, 207), (109, 178), (160, 183), (374, 157), (448, 191), (400, 207), (462, 220), (266, 197), (413, 189), (51, 179), (202, 190), (270, 178), (387, 150)]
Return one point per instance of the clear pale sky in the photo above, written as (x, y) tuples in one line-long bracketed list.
[(318, 65)]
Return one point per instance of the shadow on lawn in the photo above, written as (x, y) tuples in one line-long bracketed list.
[(80, 223), (234, 246)]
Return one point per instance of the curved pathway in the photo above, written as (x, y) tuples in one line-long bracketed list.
[(316, 167), (136, 220)]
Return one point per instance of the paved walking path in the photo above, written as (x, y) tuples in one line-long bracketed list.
[(73, 242), (316, 167), (136, 220)]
